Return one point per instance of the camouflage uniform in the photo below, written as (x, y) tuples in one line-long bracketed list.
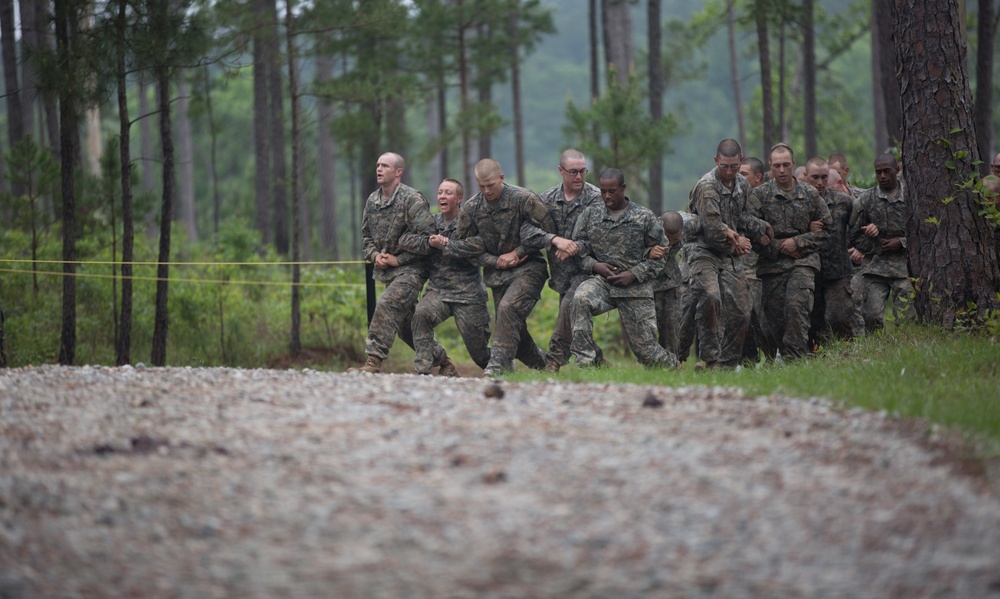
[(884, 273), (399, 225), (455, 289), (833, 309), (670, 286), (788, 283), (486, 230), (717, 279), (564, 275), (623, 241)]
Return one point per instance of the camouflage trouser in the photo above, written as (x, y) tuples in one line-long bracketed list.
[(687, 328), (722, 311), (638, 317), (755, 331), (472, 320), (858, 291), (876, 297), (559, 343), (788, 301), (668, 318), (393, 313), (512, 304), (833, 310)]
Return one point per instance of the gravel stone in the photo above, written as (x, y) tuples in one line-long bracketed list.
[(190, 482)]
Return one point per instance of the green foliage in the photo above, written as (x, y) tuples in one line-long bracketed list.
[(627, 136)]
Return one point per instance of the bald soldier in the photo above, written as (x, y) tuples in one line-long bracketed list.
[(489, 231), (395, 226)]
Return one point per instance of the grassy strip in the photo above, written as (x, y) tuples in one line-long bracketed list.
[(914, 371)]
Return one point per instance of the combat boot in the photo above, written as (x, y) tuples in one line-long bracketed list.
[(448, 368), (373, 365)]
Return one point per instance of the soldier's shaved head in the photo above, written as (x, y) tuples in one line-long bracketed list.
[(488, 169)]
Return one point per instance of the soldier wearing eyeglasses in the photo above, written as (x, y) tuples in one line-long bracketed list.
[(566, 202)]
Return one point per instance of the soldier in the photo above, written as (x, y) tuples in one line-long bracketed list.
[(838, 162), (566, 202), (455, 288), (489, 231), (752, 170), (716, 273), (395, 226), (880, 234), (669, 288), (788, 264), (615, 240), (833, 306)]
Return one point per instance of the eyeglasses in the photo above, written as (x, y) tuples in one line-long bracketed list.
[(729, 167), (572, 172)]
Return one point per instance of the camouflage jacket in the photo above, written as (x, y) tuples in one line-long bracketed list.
[(623, 242), (399, 225), (487, 230), (564, 215), (456, 280), (721, 208), (888, 211), (789, 214), (834, 259)]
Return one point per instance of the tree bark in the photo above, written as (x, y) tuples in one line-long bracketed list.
[(984, 84), (882, 15), (595, 66), (29, 40), (326, 159), (515, 91), (123, 342), (951, 250), (275, 93), (263, 204), (295, 342), (618, 49), (67, 121), (484, 93), (15, 112), (185, 156), (767, 92), (654, 31), (161, 315), (878, 96), (734, 67), (809, 57)]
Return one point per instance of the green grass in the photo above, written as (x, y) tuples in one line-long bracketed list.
[(914, 371)]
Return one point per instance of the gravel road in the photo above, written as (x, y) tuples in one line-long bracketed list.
[(185, 482)]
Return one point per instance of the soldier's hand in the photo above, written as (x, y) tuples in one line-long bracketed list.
[(815, 226), (566, 246), (732, 237), (856, 256), (789, 248), (891, 245), (605, 270), (438, 241), (742, 246), (623, 279), (870, 230), (563, 256), (657, 251), (508, 260)]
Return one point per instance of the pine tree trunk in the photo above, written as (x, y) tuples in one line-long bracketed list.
[(213, 162), (734, 67), (655, 100), (882, 15), (878, 96), (160, 318), (185, 157), (123, 343), (764, 55), (29, 40), (67, 122), (15, 113), (984, 83), (618, 39), (326, 158), (954, 260), (809, 57), (295, 343), (515, 92), (275, 93), (261, 139)]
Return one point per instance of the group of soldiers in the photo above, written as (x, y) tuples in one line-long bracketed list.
[(760, 262)]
